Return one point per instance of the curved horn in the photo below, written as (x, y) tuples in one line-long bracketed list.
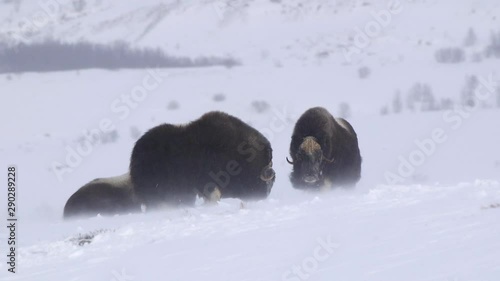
[(268, 173), (328, 160), (289, 162)]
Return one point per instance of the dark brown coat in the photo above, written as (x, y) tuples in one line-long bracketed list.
[(324, 151), (215, 156)]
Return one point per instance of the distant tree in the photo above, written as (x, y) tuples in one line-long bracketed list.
[(219, 97), (421, 98), (135, 133), (493, 50), (109, 137), (470, 38), (446, 104), (477, 57), (498, 97), (429, 101), (364, 72), (79, 5), (345, 110), (260, 106), (410, 102), (58, 56), (173, 105), (384, 110), (467, 96), (16, 3), (450, 55), (397, 103)]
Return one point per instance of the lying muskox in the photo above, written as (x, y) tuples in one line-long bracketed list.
[(324, 151), (107, 196), (216, 156)]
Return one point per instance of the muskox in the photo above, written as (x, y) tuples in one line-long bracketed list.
[(324, 152), (216, 156), (106, 196)]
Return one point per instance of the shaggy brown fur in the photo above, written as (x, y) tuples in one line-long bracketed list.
[(172, 164), (324, 149), (107, 196)]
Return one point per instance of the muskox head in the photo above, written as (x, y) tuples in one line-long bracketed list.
[(246, 181), (308, 162), (268, 175)]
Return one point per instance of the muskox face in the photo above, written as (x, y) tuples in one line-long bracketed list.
[(308, 163), (268, 175), (248, 180)]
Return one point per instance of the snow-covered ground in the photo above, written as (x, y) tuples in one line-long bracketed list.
[(428, 204)]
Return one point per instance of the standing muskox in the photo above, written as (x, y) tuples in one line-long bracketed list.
[(324, 151), (216, 156), (106, 196)]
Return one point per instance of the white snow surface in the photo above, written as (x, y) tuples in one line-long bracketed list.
[(438, 222)]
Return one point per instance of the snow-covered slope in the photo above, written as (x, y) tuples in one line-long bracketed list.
[(424, 209), (429, 227), (317, 31), (389, 233)]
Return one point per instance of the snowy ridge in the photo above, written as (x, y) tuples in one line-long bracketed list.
[(300, 31)]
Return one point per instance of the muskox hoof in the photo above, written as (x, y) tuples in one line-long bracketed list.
[(107, 197), (211, 195)]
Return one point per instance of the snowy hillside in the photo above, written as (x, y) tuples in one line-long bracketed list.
[(428, 204), (273, 32)]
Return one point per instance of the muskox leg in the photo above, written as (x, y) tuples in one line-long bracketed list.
[(327, 186), (214, 196), (211, 194)]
